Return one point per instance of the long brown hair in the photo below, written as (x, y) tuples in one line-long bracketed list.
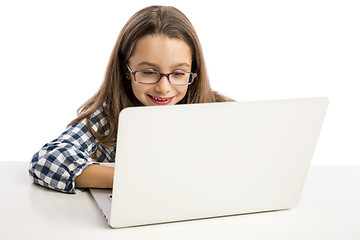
[(116, 93)]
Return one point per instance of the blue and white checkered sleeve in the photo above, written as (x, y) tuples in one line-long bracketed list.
[(59, 162)]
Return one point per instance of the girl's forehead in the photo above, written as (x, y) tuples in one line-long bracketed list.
[(161, 50)]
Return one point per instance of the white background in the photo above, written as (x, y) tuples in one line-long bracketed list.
[(53, 56)]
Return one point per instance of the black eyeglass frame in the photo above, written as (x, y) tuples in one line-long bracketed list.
[(167, 75)]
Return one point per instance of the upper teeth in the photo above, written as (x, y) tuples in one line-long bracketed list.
[(158, 99)]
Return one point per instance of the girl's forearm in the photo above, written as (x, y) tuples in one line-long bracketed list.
[(95, 176)]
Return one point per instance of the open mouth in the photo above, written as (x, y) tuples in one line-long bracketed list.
[(160, 100)]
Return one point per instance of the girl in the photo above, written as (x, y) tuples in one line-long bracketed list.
[(157, 60)]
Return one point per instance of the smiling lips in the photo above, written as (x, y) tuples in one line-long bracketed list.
[(160, 100)]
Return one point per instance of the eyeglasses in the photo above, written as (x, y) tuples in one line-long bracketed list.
[(177, 78)]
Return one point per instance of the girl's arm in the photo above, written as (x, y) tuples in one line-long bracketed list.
[(58, 164)]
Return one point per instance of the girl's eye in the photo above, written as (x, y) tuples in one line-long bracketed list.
[(149, 73), (178, 74)]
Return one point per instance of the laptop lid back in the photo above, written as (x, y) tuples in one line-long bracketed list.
[(195, 161)]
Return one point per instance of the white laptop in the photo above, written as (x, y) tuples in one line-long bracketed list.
[(196, 161)]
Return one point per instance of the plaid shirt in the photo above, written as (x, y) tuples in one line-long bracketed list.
[(59, 162)]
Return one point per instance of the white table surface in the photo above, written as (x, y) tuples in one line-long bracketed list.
[(329, 209)]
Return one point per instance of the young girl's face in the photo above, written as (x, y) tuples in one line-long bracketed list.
[(165, 55)]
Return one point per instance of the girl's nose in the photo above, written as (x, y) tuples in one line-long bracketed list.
[(163, 86)]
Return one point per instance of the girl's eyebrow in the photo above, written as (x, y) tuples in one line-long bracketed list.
[(147, 64), (156, 66), (184, 64)]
